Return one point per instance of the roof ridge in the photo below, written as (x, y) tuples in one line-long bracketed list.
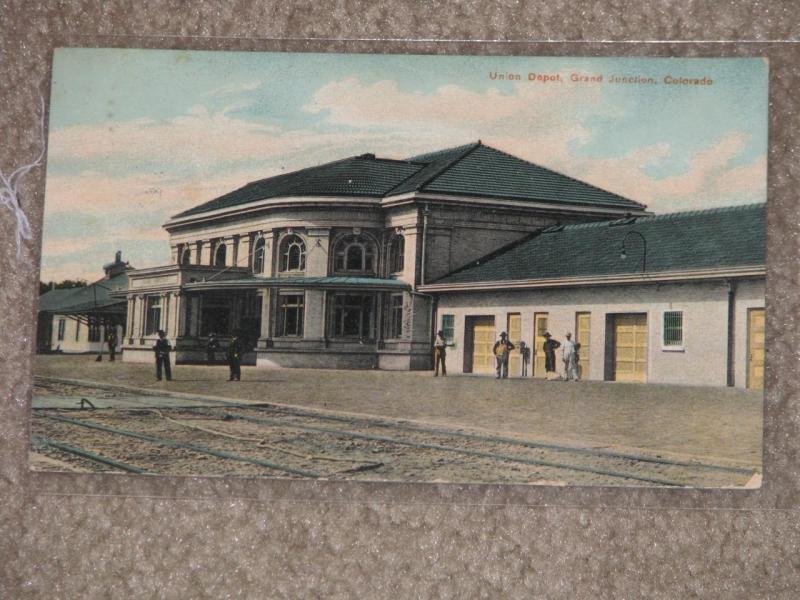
[(463, 154), (559, 173), (671, 215)]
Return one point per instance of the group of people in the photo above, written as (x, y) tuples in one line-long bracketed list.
[(503, 347), (233, 353)]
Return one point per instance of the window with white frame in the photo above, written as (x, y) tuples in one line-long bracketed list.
[(292, 254), (353, 316), (394, 322), (355, 254), (397, 247), (290, 315), (152, 321), (258, 255), (673, 329)]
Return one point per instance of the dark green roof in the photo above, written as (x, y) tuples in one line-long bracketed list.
[(93, 297), (470, 170), (716, 238)]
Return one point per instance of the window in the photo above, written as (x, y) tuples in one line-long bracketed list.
[(395, 321), (186, 256), (353, 316), (62, 325), (397, 249), (77, 330), (94, 330), (292, 254), (290, 315), (215, 315), (153, 317), (354, 253), (673, 329), (219, 254), (449, 328), (258, 256)]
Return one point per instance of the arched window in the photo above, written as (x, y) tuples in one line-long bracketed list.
[(397, 248), (186, 256), (292, 254), (258, 256), (354, 253), (219, 255)]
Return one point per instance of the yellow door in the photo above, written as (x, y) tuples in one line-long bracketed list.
[(755, 348), (514, 333), (583, 326), (539, 329), (630, 348), (483, 342)]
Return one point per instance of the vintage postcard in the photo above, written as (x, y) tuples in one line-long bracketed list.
[(468, 269)]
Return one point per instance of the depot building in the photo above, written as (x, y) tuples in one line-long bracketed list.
[(357, 262)]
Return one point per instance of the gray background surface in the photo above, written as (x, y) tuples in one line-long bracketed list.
[(76, 536)]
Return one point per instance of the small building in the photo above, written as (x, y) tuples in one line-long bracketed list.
[(326, 266), (78, 320), (674, 298)]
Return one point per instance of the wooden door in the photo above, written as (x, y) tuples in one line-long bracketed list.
[(539, 329), (755, 348), (514, 335), (583, 327), (483, 336), (630, 348)]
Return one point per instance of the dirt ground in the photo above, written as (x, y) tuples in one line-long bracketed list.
[(718, 425)]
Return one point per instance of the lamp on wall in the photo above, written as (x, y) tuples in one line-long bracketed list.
[(624, 255)]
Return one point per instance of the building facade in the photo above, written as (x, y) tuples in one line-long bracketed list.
[(673, 299), (327, 266)]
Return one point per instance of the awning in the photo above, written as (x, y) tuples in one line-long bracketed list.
[(328, 283)]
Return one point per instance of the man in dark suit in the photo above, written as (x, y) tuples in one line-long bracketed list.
[(162, 350), (235, 358)]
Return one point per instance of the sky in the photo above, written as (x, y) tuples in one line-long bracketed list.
[(136, 136)]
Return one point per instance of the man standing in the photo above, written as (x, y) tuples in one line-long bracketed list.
[(549, 347), (501, 349), (525, 355), (235, 358), (440, 354), (111, 338), (211, 347), (569, 354), (162, 350)]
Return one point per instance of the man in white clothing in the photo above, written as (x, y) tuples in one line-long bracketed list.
[(569, 353)]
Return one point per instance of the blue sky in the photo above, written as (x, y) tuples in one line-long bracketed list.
[(139, 135)]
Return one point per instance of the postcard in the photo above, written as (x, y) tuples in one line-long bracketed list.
[(466, 269)]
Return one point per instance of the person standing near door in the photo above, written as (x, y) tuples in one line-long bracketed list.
[(501, 349), (162, 350), (549, 347), (235, 358), (440, 354)]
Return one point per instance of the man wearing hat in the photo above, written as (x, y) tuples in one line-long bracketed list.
[(569, 354), (501, 349), (550, 345), (162, 349)]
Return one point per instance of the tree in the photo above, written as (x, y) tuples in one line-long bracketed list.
[(66, 284)]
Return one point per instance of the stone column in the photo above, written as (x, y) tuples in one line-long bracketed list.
[(129, 330), (270, 254), (230, 250), (205, 253), (266, 325), (245, 248), (173, 323)]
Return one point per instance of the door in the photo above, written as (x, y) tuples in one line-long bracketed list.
[(755, 348), (514, 334), (539, 329), (630, 348), (583, 327), (483, 336)]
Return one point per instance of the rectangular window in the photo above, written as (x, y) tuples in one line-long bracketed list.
[(153, 317), (62, 325), (353, 316), (290, 315), (94, 330), (395, 317), (673, 329), (449, 328)]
